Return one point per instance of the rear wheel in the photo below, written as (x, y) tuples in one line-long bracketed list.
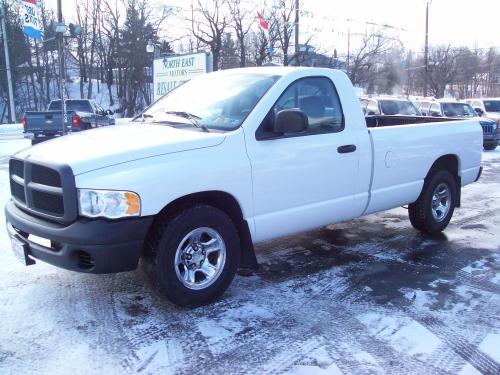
[(195, 255), (433, 209)]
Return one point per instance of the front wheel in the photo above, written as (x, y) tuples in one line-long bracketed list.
[(196, 255), (433, 209)]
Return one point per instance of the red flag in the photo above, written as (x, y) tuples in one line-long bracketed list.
[(264, 25)]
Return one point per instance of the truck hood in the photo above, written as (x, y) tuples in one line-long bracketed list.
[(103, 147)]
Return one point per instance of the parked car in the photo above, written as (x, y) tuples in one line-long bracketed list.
[(388, 106), (487, 107), (82, 114), (456, 109), (227, 160)]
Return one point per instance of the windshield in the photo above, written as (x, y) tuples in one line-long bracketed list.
[(218, 101), (458, 110), (71, 105), (492, 105), (398, 107)]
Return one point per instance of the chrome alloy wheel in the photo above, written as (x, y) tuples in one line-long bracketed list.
[(441, 202), (200, 258)]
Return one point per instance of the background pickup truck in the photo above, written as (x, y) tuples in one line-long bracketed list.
[(82, 114), (224, 161)]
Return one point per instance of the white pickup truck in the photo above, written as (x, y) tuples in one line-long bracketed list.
[(227, 160)]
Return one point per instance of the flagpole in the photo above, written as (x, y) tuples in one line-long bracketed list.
[(12, 111)]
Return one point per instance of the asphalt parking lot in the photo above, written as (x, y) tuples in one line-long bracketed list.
[(369, 296)]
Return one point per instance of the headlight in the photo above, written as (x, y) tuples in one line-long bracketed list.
[(112, 204)]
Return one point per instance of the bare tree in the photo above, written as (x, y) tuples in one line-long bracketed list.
[(88, 17), (282, 15), (109, 37), (366, 59), (443, 69), (492, 73), (241, 27), (208, 23), (258, 47)]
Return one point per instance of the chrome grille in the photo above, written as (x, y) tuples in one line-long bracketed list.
[(487, 129)]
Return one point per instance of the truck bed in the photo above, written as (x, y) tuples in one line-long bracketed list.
[(399, 168)]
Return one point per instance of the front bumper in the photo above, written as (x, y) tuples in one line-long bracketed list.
[(91, 246)]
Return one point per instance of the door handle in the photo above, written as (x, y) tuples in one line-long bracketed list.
[(346, 149)]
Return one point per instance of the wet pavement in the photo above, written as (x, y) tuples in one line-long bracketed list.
[(369, 296)]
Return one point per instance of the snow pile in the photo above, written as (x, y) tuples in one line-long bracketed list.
[(11, 129), (490, 155)]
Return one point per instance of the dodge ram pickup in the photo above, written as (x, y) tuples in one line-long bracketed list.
[(227, 160)]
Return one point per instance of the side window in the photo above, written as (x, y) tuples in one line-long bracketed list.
[(424, 107), (435, 108), (372, 108), (318, 99), (98, 108), (364, 104)]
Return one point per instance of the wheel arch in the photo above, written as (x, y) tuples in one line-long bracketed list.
[(224, 202), (450, 163)]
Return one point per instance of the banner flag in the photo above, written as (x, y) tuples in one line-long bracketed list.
[(264, 25), (32, 24)]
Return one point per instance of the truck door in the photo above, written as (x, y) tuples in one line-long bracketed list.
[(304, 180), (99, 115)]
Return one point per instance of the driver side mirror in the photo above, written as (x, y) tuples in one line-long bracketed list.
[(290, 121), (479, 111)]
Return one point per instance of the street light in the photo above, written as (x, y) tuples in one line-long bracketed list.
[(150, 48), (426, 51)]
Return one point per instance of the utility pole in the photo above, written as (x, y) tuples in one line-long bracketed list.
[(426, 48), (60, 30), (12, 107), (297, 31)]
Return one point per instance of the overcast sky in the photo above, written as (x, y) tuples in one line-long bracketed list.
[(457, 22)]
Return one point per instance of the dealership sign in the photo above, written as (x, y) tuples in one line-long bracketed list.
[(32, 24), (172, 71)]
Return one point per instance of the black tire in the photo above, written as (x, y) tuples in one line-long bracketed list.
[(167, 237), (421, 211), (490, 146)]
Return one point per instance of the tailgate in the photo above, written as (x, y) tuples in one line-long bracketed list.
[(50, 121)]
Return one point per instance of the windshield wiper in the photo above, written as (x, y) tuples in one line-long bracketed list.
[(193, 119), (142, 116)]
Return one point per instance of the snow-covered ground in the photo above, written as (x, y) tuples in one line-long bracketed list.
[(370, 296), (11, 129)]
